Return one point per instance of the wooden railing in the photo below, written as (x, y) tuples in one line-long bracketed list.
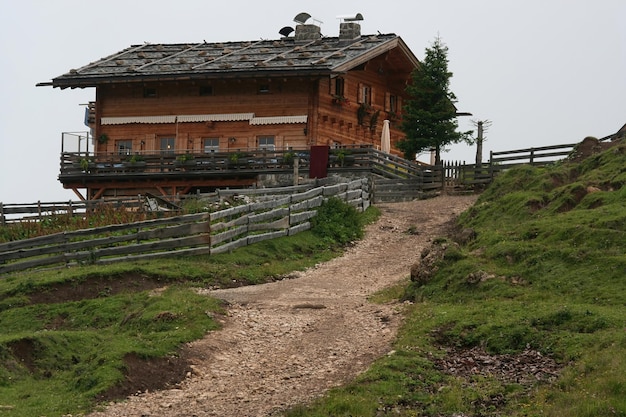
[(400, 179), (533, 156), (16, 212), (204, 233), (357, 158), (146, 163)]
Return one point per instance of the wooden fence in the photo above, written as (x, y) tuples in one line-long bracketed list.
[(15, 212), (533, 156), (204, 233), (395, 179), (462, 175)]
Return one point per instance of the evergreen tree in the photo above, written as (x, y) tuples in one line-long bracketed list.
[(429, 115)]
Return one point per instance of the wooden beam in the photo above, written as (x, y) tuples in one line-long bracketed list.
[(78, 193), (99, 193)]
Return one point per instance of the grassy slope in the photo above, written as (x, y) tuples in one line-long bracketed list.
[(58, 356), (551, 245)]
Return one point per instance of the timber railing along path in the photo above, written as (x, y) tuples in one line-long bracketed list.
[(203, 233), (16, 212), (393, 178)]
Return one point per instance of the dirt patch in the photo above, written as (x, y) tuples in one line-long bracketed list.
[(23, 351), (525, 368), (148, 374), (95, 287), (289, 341), (588, 147)]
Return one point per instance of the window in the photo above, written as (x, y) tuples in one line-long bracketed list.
[(266, 143), (206, 90), (365, 94), (392, 103), (124, 147), (149, 92), (339, 87), (167, 145), (211, 145)]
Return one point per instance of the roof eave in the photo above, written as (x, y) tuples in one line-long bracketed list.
[(396, 42), (94, 81)]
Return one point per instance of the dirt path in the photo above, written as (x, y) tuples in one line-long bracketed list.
[(288, 342)]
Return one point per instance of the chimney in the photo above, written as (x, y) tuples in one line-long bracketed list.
[(349, 31), (308, 32)]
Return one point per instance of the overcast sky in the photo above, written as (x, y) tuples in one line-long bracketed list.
[(542, 71)]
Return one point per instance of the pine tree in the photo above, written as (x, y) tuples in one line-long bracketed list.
[(429, 115)]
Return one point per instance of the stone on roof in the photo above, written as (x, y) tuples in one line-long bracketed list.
[(286, 56)]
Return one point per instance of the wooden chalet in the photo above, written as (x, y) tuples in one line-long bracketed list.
[(174, 118)]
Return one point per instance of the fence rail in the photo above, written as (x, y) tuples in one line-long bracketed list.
[(394, 177), (204, 233), (544, 154), (11, 212)]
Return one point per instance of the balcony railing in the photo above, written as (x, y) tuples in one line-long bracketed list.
[(81, 163), (187, 163)]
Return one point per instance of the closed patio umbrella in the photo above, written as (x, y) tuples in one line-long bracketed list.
[(385, 138)]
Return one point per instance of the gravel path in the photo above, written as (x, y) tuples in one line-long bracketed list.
[(288, 342)]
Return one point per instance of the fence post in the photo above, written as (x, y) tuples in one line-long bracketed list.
[(443, 177), (296, 167), (2, 219), (532, 155)]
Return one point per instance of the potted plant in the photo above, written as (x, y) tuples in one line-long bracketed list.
[(86, 164), (135, 161), (237, 160), (288, 158), (374, 120), (361, 113), (186, 159), (340, 100), (103, 138), (341, 157)]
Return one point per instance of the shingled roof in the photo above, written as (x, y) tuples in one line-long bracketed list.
[(262, 58)]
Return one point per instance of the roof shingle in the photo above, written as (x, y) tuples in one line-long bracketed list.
[(210, 60)]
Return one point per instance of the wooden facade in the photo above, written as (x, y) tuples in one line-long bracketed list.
[(291, 93)]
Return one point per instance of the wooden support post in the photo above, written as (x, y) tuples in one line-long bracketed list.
[(443, 177)]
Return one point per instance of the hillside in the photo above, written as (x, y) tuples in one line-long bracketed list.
[(521, 311), (517, 309)]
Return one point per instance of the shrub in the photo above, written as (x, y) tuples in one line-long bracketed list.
[(337, 222)]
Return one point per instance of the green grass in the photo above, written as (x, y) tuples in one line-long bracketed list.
[(551, 248), (57, 357), (70, 352)]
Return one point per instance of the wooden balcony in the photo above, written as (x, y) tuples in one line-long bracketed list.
[(162, 165), (172, 173)]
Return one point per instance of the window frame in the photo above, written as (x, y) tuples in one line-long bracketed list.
[(340, 87), (164, 142), (124, 146), (214, 147), (266, 146), (366, 94), (392, 103)]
